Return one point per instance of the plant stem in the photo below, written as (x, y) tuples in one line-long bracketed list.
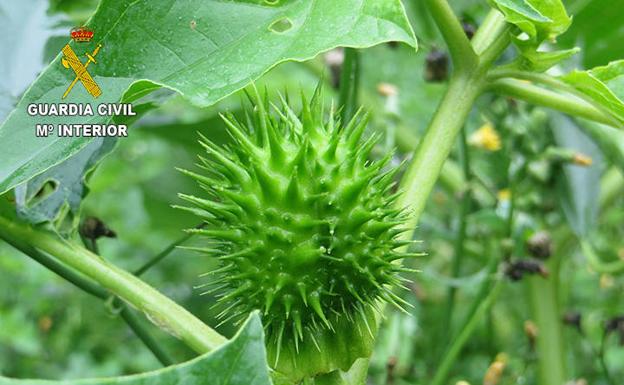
[(460, 50), (465, 85), (436, 145), (597, 264), (160, 256), (461, 233), (97, 291), (152, 344), (493, 26), (159, 309), (59, 269), (547, 316), (483, 302), (128, 316), (556, 84), (568, 104), (349, 83), (601, 358)]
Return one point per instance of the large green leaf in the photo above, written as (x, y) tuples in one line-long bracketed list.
[(605, 85), (66, 182), (203, 49), (242, 361), (539, 19)]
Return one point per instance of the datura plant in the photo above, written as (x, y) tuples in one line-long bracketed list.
[(305, 229)]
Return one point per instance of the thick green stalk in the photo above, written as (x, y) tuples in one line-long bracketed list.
[(462, 54), (557, 85), (567, 103), (159, 309), (547, 316), (467, 82), (492, 28), (436, 145), (93, 289)]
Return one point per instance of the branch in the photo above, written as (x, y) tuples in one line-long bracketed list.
[(567, 103), (433, 149), (492, 28), (93, 289), (481, 305), (163, 254), (555, 84), (460, 49), (159, 309), (597, 264), (349, 84)]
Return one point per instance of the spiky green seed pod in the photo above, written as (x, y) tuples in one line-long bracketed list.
[(306, 231)]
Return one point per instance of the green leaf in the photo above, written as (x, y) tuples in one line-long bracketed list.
[(68, 179), (539, 19), (205, 50), (241, 361), (605, 85), (530, 59), (68, 184)]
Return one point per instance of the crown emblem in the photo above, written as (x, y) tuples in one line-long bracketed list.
[(81, 34)]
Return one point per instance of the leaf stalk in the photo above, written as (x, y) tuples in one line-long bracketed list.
[(159, 309)]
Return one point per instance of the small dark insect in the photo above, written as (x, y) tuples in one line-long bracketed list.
[(573, 319), (517, 269), (93, 228), (436, 66), (469, 29), (616, 325)]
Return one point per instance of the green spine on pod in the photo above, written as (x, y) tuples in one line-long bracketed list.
[(306, 230)]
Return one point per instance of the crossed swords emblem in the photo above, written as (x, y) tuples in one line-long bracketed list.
[(70, 60)]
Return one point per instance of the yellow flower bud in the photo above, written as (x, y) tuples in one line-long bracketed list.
[(582, 160), (486, 137), (496, 369), (504, 194)]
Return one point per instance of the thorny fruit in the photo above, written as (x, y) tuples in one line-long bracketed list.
[(305, 227)]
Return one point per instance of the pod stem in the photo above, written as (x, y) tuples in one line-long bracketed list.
[(546, 314), (159, 309), (481, 305)]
